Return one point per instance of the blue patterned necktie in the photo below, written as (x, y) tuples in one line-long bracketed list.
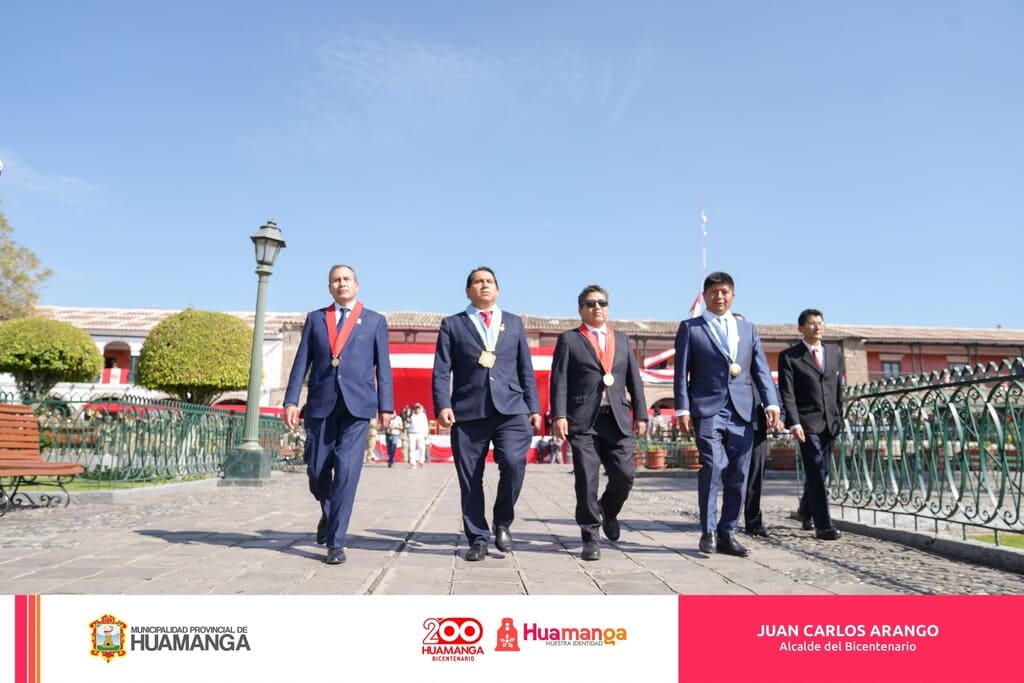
[(723, 336), (341, 318)]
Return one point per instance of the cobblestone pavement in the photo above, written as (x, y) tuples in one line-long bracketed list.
[(405, 538)]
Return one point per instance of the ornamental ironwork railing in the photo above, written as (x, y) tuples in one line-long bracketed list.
[(943, 448), (137, 440)]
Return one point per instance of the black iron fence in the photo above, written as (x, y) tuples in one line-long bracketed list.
[(136, 440), (942, 448)]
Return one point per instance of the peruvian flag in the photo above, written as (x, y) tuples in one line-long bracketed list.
[(697, 308)]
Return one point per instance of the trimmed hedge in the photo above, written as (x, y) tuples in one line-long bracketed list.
[(196, 355), (40, 352)]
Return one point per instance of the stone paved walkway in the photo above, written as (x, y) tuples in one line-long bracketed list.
[(405, 538)]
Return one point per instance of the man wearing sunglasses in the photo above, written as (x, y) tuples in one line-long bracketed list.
[(592, 370)]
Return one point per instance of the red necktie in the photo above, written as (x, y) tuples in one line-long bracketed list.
[(817, 359), (486, 315)]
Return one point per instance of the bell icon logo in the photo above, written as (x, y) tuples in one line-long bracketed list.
[(508, 637)]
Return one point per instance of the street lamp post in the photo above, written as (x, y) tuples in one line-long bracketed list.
[(249, 464)]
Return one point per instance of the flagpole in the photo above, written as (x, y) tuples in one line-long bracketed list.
[(695, 309), (703, 241)]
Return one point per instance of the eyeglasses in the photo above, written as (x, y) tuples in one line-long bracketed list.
[(600, 302)]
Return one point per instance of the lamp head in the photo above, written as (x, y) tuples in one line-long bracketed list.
[(268, 243)]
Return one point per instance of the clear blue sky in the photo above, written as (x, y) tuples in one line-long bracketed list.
[(863, 158)]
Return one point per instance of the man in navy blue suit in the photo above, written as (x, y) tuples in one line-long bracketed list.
[(344, 350), (482, 353), (718, 361)]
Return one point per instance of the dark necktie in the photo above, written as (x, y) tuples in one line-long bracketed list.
[(341, 317)]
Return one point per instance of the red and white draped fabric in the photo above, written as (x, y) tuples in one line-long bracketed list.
[(650, 375), (698, 306), (412, 366), (114, 376)]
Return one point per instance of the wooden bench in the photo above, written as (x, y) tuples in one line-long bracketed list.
[(21, 463)]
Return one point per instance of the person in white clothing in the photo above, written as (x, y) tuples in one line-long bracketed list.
[(418, 428)]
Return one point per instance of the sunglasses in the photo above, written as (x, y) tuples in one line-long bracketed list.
[(600, 302)]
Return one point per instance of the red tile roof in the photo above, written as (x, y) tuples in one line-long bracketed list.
[(141, 320)]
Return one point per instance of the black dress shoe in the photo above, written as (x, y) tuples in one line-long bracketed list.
[(335, 556), (611, 528), (321, 530), (730, 546), (503, 539), (707, 543), (830, 534), (806, 520), (591, 551), (757, 531), (476, 552)]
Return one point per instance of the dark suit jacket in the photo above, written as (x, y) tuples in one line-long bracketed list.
[(811, 398), (509, 388), (702, 383), (363, 377), (576, 386)]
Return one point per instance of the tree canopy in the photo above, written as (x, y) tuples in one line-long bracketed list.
[(40, 352), (21, 275), (196, 355)]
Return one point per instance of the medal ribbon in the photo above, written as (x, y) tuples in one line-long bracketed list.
[(729, 349), (607, 357), (338, 339), (488, 334)]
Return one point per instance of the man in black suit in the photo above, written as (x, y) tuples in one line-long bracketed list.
[(592, 369), (752, 517), (482, 353), (811, 385)]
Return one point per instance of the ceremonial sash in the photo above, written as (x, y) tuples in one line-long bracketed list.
[(606, 357), (338, 339)]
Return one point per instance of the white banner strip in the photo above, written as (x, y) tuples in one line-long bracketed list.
[(116, 639)]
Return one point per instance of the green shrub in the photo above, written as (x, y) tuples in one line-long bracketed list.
[(40, 352), (196, 355)]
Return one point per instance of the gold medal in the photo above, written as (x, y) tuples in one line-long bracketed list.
[(335, 361), (486, 359), (735, 369), (608, 379)]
